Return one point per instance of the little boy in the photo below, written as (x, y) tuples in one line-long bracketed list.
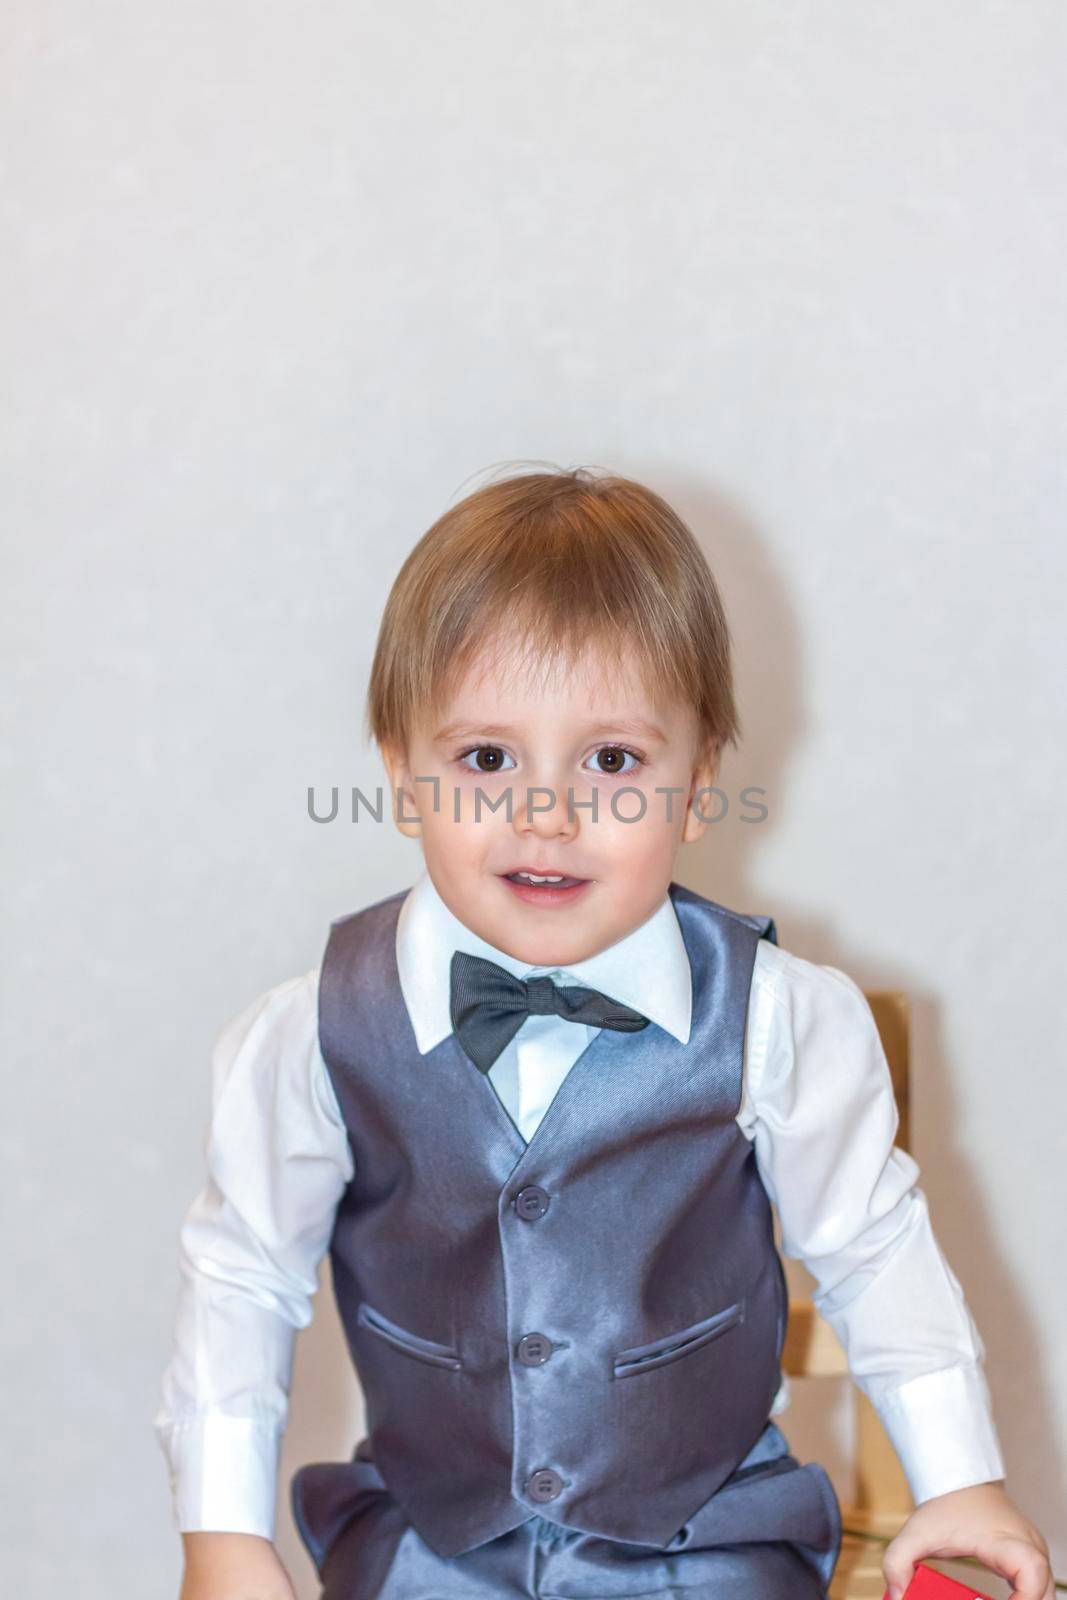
[(537, 1108)]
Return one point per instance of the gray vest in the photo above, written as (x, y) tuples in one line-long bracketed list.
[(585, 1327)]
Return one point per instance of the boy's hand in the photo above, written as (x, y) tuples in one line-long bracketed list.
[(982, 1522), (233, 1566)]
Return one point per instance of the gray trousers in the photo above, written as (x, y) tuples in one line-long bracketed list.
[(771, 1532)]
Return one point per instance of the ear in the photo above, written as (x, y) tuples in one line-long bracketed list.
[(405, 800), (705, 771)]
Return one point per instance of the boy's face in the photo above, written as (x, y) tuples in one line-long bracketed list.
[(554, 744)]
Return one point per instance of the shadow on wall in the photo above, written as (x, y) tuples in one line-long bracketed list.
[(769, 664)]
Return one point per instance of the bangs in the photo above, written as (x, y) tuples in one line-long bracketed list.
[(552, 567)]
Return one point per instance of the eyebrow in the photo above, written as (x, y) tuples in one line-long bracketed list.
[(636, 726)]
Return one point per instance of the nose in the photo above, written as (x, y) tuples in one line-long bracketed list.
[(543, 813)]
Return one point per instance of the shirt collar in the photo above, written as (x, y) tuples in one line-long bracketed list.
[(648, 969)]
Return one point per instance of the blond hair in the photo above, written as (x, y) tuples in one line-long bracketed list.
[(550, 563)]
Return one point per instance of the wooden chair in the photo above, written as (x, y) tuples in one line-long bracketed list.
[(812, 1350)]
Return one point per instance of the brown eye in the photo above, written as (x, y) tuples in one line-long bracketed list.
[(611, 758), (485, 758)]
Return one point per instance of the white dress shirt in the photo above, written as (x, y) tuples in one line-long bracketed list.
[(817, 1103)]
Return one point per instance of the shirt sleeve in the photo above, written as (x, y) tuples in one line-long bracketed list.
[(819, 1105), (278, 1160)]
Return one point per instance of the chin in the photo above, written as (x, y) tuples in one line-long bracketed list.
[(538, 948), (559, 948)]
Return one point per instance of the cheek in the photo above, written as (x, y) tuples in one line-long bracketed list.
[(648, 840), (453, 845)]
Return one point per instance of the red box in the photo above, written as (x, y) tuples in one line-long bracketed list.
[(930, 1585)]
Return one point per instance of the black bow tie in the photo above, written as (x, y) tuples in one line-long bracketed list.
[(489, 1006)]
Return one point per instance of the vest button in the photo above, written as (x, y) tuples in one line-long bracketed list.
[(531, 1202), (543, 1485), (534, 1349)]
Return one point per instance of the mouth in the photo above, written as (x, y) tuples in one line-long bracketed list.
[(544, 888)]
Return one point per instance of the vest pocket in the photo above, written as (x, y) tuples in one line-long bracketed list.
[(646, 1357), (438, 1355)]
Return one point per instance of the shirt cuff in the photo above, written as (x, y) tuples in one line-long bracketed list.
[(223, 1473), (941, 1426)]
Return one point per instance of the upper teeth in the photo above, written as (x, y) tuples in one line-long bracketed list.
[(533, 878)]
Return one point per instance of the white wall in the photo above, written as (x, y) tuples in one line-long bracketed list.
[(277, 280)]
